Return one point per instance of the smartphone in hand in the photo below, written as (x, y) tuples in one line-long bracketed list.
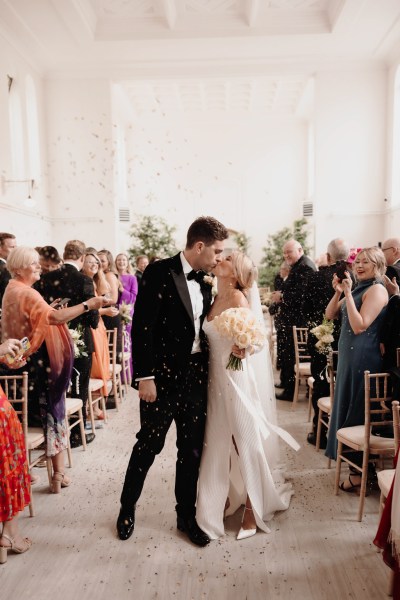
[(341, 272), (25, 347), (63, 302)]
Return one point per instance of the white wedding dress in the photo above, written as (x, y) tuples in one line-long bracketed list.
[(236, 409)]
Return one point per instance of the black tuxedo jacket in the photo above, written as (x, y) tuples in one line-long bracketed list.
[(68, 282), (292, 307), (5, 277), (394, 271), (163, 326)]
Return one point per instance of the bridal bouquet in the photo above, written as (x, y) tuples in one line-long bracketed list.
[(79, 344), (125, 311), (324, 335), (241, 326)]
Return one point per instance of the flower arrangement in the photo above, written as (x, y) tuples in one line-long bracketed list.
[(241, 326), (211, 280), (265, 299), (352, 254), (125, 311), (79, 344), (323, 333)]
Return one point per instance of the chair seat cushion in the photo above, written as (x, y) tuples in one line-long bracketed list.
[(117, 369), (95, 384), (35, 437), (354, 437), (324, 404), (304, 369), (310, 382), (385, 479), (72, 405)]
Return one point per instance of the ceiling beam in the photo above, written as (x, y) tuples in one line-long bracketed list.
[(169, 11), (251, 11)]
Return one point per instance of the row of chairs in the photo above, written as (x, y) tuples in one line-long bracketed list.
[(16, 390)]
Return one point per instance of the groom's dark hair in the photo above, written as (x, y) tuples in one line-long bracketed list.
[(207, 230)]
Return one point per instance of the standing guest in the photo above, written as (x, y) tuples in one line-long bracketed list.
[(317, 295), (49, 259), (7, 243), (170, 360), (141, 263), (26, 313), (15, 482), (116, 288), (69, 282), (127, 296), (274, 310), (292, 310), (362, 313), (391, 251)]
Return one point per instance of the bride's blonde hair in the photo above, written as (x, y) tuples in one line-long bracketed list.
[(244, 270)]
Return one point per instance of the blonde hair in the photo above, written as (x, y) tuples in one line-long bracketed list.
[(376, 257), (20, 258), (101, 284), (129, 268), (244, 270)]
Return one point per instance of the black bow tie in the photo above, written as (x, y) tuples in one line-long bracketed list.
[(196, 275)]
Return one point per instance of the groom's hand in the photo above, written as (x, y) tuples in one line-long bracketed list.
[(147, 390)]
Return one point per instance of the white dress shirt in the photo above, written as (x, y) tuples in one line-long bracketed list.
[(196, 298)]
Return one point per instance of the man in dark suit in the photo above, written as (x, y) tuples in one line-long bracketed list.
[(291, 301), (141, 263), (69, 282), (317, 295), (7, 243), (170, 361), (391, 250)]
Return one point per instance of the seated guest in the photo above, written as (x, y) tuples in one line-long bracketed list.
[(50, 356), (49, 259), (14, 475)]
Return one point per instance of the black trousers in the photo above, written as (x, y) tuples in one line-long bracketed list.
[(320, 386), (187, 407), (288, 359)]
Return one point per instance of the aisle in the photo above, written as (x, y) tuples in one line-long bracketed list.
[(315, 550)]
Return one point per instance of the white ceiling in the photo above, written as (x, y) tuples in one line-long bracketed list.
[(198, 55)]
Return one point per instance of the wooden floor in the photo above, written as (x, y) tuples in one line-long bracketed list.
[(316, 549)]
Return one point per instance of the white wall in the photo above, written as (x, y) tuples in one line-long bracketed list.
[(350, 157)]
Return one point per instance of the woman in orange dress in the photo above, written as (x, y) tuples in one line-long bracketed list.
[(14, 475)]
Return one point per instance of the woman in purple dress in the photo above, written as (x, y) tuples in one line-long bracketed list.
[(127, 297)]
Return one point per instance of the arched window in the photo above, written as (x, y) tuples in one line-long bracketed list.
[(396, 142), (16, 133), (32, 122)]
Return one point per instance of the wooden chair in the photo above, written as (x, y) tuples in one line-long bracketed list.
[(302, 366), (310, 386), (363, 438), (96, 395), (74, 406), (126, 362), (325, 404), (115, 368), (16, 389)]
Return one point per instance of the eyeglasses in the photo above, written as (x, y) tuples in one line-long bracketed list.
[(390, 248)]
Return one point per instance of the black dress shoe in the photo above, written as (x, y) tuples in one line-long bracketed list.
[(312, 439), (125, 524), (278, 385), (76, 441), (195, 534), (285, 395)]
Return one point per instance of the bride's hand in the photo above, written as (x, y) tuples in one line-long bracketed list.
[(238, 352)]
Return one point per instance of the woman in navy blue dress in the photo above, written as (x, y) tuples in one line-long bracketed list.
[(362, 313)]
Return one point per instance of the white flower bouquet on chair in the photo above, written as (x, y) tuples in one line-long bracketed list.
[(241, 326), (125, 311), (323, 333), (79, 344)]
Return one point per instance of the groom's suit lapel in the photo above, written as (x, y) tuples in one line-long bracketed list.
[(181, 285)]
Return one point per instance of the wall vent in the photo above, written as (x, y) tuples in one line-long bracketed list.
[(308, 209), (124, 215)]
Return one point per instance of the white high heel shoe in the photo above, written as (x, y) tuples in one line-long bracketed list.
[(246, 533)]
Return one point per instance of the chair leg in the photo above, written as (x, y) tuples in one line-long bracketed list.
[(363, 489), (69, 451), (309, 405), (338, 467), (296, 392), (318, 440), (91, 412), (82, 428)]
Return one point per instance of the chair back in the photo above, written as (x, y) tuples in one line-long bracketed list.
[(378, 415), (396, 422), (331, 369), (112, 345), (15, 388), (300, 337)]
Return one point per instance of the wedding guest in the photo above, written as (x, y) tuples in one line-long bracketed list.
[(141, 263), (241, 412), (7, 243), (49, 259), (15, 482), (116, 288), (391, 251), (317, 295), (50, 356), (68, 282), (291, 299), (362, 313), (274, 309), (127, 296), (170, 370)]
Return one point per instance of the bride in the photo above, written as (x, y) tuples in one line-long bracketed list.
[(241, 447)]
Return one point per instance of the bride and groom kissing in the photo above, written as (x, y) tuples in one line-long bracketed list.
[(180, 372)]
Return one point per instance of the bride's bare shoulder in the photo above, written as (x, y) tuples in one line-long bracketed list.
[(239, 300)]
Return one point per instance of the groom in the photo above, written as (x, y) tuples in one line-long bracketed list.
[(170, 361)]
